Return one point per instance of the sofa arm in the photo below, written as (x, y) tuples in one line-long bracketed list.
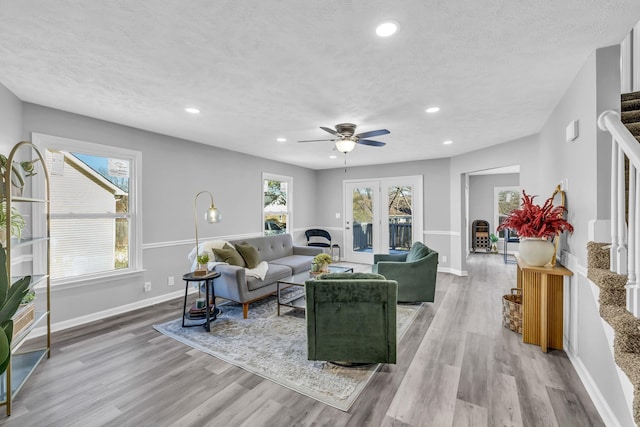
[(306, 250), (389, 257), (232, 283)]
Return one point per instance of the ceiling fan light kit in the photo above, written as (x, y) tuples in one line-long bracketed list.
[(346, 139), (345, 145)]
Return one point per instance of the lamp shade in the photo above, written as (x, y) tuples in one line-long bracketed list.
[(212, 215), (345, 145)]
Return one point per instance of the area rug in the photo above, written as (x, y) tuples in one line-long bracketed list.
[(275, 347)]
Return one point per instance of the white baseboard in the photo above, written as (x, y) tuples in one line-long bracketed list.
[(79, 321), (462, 273), (593, 390)]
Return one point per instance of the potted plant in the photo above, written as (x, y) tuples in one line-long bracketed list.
[(535, 226), (321, 262), (494, 243), (16, 226), (10, 298), (202, 259)]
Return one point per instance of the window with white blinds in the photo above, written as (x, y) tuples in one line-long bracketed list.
[(93, 208)]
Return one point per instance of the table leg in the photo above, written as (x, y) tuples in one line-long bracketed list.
[(544, 312), (184, 307), (278, 297), (207, 326)]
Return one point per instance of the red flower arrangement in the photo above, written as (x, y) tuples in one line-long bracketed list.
[(535, 221)]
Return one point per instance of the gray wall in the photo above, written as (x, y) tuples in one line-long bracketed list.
[(523, 152), (481, 192), (10, 120), (435, 198), (173, 171), (584, 164)]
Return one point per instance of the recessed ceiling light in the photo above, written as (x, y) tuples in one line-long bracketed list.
[(333, 156), (432, 109), (387, 29), (447, 142), (192, 110), (281, 139)]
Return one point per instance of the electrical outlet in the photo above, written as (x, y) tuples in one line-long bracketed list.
[(147, 286), (170, 281), (444, 258)]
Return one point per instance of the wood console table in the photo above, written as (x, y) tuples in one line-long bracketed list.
[(542, 304)]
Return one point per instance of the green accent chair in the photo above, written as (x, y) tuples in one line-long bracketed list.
[(414, 271), (351, 318)]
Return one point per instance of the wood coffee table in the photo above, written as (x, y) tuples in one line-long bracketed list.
[(295, 299)]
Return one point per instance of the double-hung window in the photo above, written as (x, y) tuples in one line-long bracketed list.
[(505, 199), (276, 206), (94, 208)]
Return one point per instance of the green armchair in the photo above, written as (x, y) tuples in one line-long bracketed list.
[(351, 318), (414, 271)]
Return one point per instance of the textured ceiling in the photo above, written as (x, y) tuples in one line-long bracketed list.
[(259, 70)]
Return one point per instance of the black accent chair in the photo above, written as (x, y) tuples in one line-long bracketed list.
[(316, 233)]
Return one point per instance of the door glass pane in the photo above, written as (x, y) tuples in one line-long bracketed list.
[(362, 219), (400, 218)]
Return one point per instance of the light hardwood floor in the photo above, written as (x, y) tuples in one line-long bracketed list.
[(457, 366)]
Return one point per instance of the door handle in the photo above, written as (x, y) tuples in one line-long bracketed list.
[(346, 228)]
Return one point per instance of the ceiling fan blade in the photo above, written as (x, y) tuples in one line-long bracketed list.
[(331, 131), (370, 142), (317, 140), (373, 133)]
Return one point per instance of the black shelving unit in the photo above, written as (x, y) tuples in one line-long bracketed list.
[(480, 235)]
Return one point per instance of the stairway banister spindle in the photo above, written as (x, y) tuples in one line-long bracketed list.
[(613, 251), (632, 241), (621, 266), (633, 287)]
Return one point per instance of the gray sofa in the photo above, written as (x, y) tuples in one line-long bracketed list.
[(284, 259)]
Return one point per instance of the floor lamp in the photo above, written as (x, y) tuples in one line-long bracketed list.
[(212, 215)]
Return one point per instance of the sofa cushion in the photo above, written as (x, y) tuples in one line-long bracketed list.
[(230, 256), (276, 272), (271, 247), (297, 263), (418, 251), (249, 253)]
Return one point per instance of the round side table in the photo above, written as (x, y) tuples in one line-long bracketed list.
[(211, 311)]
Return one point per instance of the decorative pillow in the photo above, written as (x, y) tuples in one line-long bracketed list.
[(418, 251), (342, 276), (249, 253), (229, 255)]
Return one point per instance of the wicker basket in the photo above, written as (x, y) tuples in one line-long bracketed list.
[(512, 310), (23, 318)]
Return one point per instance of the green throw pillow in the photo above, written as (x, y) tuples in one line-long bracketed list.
[(417, 251), (230, 256), (249, 253)]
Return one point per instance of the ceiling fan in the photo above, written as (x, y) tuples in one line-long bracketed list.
[(346, 139)]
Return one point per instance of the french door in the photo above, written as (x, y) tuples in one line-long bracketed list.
[(381, 216)]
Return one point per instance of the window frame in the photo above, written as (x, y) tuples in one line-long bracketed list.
[(282, 178), (45, 142), (496, 214)]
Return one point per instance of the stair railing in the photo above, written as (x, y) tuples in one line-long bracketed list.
[(625, 244)]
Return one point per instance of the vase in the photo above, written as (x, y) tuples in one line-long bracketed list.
[(536, 251), (324, 267)]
